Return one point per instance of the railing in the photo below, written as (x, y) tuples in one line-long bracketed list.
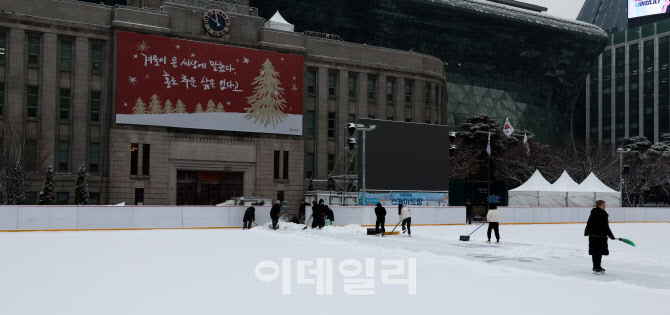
[(226, 6), (323, 35)]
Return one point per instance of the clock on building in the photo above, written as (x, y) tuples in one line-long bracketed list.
[(216, 22)]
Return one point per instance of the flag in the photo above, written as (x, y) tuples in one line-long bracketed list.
[(525, 143), (488, 145), (508, 129)]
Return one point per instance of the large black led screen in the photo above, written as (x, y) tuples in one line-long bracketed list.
[(405, 156)]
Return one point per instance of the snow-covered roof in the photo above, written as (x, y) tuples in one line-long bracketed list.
[(516, 13), (565, 183), (593, 184), (278, 22), (537, 182)]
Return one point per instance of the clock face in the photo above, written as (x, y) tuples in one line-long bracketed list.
[(216, 22)]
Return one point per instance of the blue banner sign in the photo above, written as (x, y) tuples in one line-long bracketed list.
[(440, 199)]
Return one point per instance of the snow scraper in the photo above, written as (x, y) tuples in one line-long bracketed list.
[(466, 238), (307, 223), (627, 241)]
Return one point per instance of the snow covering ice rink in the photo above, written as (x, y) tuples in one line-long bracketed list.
[(537, 269)]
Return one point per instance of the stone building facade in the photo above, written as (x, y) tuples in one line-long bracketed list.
[(57, 82)]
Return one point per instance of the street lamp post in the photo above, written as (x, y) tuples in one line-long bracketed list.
[(351, 128)]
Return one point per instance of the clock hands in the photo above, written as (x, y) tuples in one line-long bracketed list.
[(217, 20)]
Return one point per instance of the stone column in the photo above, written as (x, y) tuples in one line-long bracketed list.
[(79, 134), (48, 100)]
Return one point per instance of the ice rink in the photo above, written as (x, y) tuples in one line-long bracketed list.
[(537, 269)]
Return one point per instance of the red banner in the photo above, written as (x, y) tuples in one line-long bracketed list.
[(180, 83)]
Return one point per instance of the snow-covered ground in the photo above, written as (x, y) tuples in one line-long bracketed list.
[(537, 269)]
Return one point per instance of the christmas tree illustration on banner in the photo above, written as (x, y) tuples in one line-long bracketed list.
[(139, 108), (219, 108), (180, 108), (155, 105), (211, 107), (267, 104), (168, 107), (198, 108)]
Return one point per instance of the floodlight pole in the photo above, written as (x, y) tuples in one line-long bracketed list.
[(364, 131)]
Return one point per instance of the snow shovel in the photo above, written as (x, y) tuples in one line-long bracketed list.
[(627, 241), (255, 223), (307, 223), (466, 238), (394, 228)]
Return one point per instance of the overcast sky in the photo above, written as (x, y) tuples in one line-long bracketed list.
[(563, 8)]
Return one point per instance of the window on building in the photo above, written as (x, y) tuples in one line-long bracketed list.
[(285, 169), (2, 98), (593, 103), (63, 155), (31, 155), (634, 90), (352, 119), (309, 121), (94, 198), (409, 85), (371, 116), (428, 95), (607, 96), (332, 84), (30, 198), (664, 86), (32, 100), (280, 195), (96, 57), (33, 50), (2, 150), (95, 106), (64, 104), (3, 47), (65, 54), (331, 163), (146, 158), (62, 198), (311, 81), (331, 125), (372, 88), (309, 165), (648, 89), (276, 165), (94, 157), (352, 86), (390, 90), (134, 158), (139, 196)]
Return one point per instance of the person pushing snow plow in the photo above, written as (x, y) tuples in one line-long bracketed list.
[(598, 230), (406, 217), (249, 216)]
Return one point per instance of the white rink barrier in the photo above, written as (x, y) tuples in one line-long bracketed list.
[(566, 215), (420, 215)]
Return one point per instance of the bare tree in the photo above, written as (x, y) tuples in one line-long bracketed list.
[(597, 159), (518, 164), (19, 163)]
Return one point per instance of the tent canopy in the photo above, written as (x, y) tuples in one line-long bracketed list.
[(537, 182), (592, 183), (565, 183), (278, 22)]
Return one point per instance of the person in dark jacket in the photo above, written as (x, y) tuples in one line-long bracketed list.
[(249, 216), (317, 215), (468, 211), (327, 212), (380, 212), (301, 210), (274, 214), (598, 230)]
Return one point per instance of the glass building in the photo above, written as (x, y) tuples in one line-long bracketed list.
[(610, 15), (501, 60), (628, 90)]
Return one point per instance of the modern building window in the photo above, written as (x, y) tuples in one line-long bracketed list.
[(409, 85), (96, 57), (62, 198), (65, 54), (309, 165), (607, 97), (664, 86), (94, 157), (371, 116), (146, 158), (32, 100), (352, 119), (3, 47), (134, 158), (139, 196), (64, 104), (593, 102), (390, 90), (63, 155), (372, 88), (94, 198), (332, 84), (620, 94), (276, 164), (311, 81), (428, 95), (30, 198), (33, 50), (2, 98), (331, 125), (31, 155), (309, 120), (352, 86), (285, 168), (331, 163), (633, 90), (95, 106), (648, 89), (408, 113)]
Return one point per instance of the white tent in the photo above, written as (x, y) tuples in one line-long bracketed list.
[(590, 190), (277, 22), (528, 194), (557, 196)]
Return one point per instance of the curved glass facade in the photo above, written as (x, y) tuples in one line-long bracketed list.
[(499, 60)]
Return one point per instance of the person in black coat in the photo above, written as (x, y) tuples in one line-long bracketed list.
[(301, 210), (274, 214), (249, 216), (317, 215), (598, 230), (468, 211), (380, 212), (327, 212)]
